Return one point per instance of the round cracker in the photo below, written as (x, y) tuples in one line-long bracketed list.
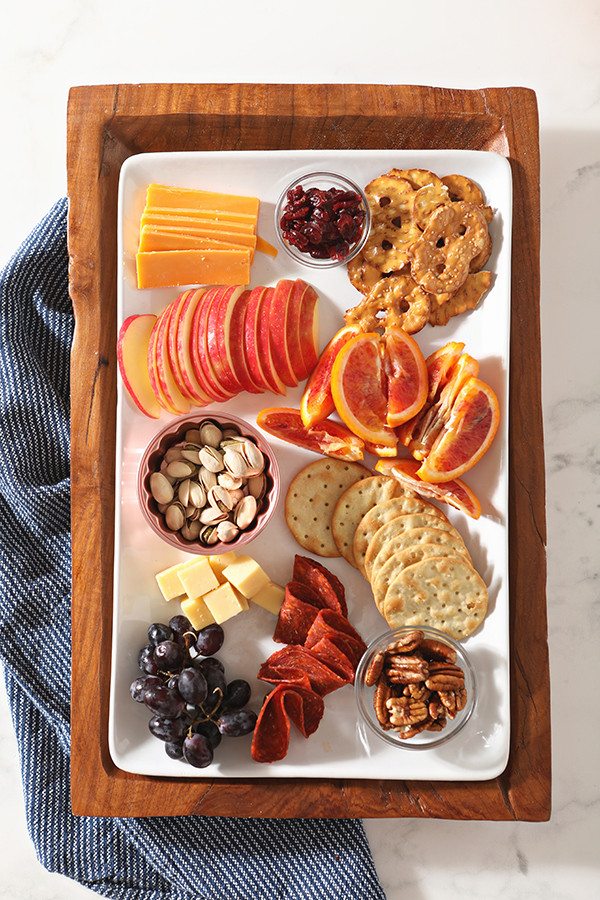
[(412, 552), (444, 593), (357, 500), (382, 540), (382, 513), (311, 499)]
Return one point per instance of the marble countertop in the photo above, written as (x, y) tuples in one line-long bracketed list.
[(551, 47)]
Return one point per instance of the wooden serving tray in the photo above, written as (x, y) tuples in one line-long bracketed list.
[(107, 124)]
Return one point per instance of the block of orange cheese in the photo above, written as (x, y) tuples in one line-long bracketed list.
[(155, 238), (166, 268), (186, 222)]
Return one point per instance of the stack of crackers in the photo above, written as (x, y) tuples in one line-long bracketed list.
[(415, 560)]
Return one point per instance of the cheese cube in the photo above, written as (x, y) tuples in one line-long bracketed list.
[(197, 612), (225, 602), (246, 575), (169, 581), (270, 597), (198, 578), (219, 561)]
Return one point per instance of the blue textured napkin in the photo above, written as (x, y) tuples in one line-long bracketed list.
[(185, 858)]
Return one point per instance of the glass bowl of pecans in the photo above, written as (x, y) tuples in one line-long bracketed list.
[(322, 219), (208, 483), (415, 688)]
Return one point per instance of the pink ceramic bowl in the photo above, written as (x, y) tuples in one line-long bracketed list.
[(173, 434)]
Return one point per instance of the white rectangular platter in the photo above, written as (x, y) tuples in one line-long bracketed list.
[(341, 748)]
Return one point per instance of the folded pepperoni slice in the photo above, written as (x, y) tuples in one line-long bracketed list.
[(294, 620), (271, 737), (315, 575), (328, 623), (334, 658), (297, 665)]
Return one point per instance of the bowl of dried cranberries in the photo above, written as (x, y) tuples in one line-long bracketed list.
[(322, 219)]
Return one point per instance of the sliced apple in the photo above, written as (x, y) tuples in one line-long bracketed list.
[(171, 345), (278, 331), (179, 346), (308, 330), (166, 378), (217, 335), (132, 356), (230, 339), (264, 348), (200, 353), (250, 342), (153, 369)]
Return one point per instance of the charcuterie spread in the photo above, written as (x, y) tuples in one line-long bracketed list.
[(363, 488)]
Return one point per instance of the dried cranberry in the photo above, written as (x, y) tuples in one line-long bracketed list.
[(322, 223)]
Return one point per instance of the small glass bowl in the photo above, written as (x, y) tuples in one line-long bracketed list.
[(426, 740), (173, 434), (324, 181)]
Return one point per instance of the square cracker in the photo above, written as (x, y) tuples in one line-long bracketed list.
[(311, 499)]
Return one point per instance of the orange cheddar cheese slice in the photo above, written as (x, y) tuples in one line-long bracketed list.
[(165, 195), (155, 238), (212, 215), (166, 268), (184, 223)]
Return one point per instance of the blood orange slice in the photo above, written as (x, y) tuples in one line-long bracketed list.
[(466, 434), (407, 376), (455, 493), (317, 399), (328, 437), (358, 389)]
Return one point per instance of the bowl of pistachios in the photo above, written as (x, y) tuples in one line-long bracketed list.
[(208, 483)]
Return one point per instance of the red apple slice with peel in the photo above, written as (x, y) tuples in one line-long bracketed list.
[(200, 353), (153, 370), (179, 346), (217, 336), (132, 356), (264, 348), (278, 330), (308, 330), (230, 339), (293, 329), (166, 378), (235, 342), (251, 347), (175, 359)]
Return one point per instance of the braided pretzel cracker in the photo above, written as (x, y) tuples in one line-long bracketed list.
[(454, 236), (393, 301), (466, 297)]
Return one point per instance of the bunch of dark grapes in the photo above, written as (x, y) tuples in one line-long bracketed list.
[(184, 686), (322, 223)]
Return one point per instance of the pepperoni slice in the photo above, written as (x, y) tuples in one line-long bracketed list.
[(334, 658), (297, 665), (294, 620), (286, 702), (314, 574)]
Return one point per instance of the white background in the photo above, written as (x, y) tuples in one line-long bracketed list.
[(552, 47)]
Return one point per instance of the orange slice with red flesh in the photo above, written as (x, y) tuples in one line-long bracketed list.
[(406, 375), (317, 400), (466, 434), (327, 437), (358, 389), (454, 493)]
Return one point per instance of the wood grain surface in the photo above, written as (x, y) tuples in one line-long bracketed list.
[(107, 124)]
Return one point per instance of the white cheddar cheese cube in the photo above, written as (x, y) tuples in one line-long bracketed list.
[(219, 561), (198, 578), (197, 612), (169, 582), (246, 575), (225, 602), (270, 597)]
